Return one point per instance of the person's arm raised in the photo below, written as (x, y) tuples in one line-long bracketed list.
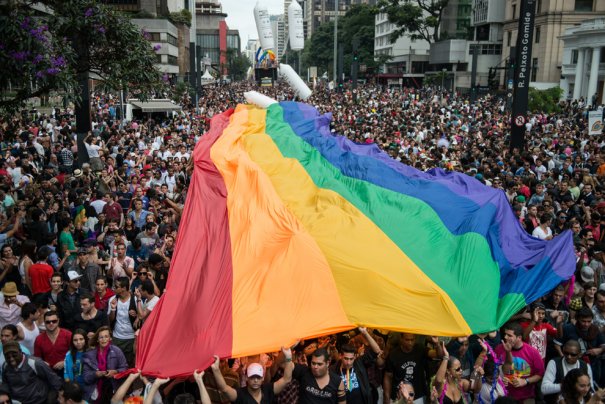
[(220, 380), (279, 385)]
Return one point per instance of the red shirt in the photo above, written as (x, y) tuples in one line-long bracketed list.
[(101, 302), (40, 275), (49, 352), (112, 212)]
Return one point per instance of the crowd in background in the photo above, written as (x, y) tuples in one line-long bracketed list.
[(85, 252)]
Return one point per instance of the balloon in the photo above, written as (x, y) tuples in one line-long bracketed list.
[(258, 99), (263, 26), (294, 80), (295, 26)]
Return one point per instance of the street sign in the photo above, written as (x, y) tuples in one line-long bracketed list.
[(519, 120)]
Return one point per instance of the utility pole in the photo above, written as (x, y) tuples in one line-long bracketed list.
[(335, 41), (522, 73)]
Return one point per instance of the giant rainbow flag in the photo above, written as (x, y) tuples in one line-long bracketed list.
[(290, 232)]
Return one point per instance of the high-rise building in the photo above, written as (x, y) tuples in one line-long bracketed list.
[(408, 59), (280, 36), (213, 36), (172, 38), (316, 12), (553, 18), (468, 25)]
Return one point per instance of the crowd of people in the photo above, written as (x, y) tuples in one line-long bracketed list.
[(85, 253)]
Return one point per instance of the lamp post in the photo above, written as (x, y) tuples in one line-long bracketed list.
[(443, 72), (335, 41)]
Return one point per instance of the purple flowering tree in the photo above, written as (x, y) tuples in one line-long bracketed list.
[(62, 50)]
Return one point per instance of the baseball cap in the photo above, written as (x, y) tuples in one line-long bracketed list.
[(11, 346), (73, 275), (255, 369)]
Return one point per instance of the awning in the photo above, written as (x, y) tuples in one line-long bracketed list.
[(155, 105)]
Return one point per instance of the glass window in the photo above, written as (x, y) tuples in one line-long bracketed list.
[(584, 5), (537, 36), (574, 56), (534, 69)]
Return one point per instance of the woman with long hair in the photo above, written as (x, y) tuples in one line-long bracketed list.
[(575, 389), (451, 387), (73, 370), (101, 364)]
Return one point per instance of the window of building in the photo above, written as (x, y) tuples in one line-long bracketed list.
[(584, 5), (172, 60), (154, 37), (602, 55), (158, 58), (514, 11), (539, 7), (172, 40), (509, 38), (574, 56), (537, 36), (482, 33), (534, 69)]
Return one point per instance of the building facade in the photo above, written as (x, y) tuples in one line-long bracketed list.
[(553, 18), (164, 36), (408, 59), (280, 35), (583, 66), (213, 36)]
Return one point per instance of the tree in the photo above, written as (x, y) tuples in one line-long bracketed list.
[(238, 64), (319, 49), (545, 100), (62, 48), (420, 19), (357, 24)]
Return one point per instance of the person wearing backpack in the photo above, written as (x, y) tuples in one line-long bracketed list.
[(29, 379), (557, 368)]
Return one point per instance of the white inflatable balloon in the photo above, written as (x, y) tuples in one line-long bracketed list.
[(258, 99), (299, 86), (295, 26), (263, 26)]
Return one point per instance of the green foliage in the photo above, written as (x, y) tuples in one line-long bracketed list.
[(238, 64), (357, 24), (82, 37), (181, 17), (545, 100), (319, 49), (420, 19)]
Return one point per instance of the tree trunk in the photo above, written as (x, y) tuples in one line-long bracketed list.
[(83, 121)]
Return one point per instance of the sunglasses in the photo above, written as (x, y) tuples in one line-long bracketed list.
[(143, 273), (51, 321), (573, 355), (458, 369)]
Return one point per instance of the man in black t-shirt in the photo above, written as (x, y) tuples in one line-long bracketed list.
[(319, 385), (353, 369), (255, 391), (407, 362)]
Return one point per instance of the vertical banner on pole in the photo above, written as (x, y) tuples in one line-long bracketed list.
[(522, 73), (595, 122)]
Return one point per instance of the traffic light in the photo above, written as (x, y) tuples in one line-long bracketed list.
[(355, 56), (492, 81)]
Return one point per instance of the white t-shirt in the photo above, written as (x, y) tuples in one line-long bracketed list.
[(92, 149), (123, 329), (539, 233), (150, 304)]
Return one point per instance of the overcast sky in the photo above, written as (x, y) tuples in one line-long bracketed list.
[(241, 16)]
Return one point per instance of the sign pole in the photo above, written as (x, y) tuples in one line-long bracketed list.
[(522, 75)]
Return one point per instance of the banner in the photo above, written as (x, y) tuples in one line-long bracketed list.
[(522, 73), (595, 122)]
